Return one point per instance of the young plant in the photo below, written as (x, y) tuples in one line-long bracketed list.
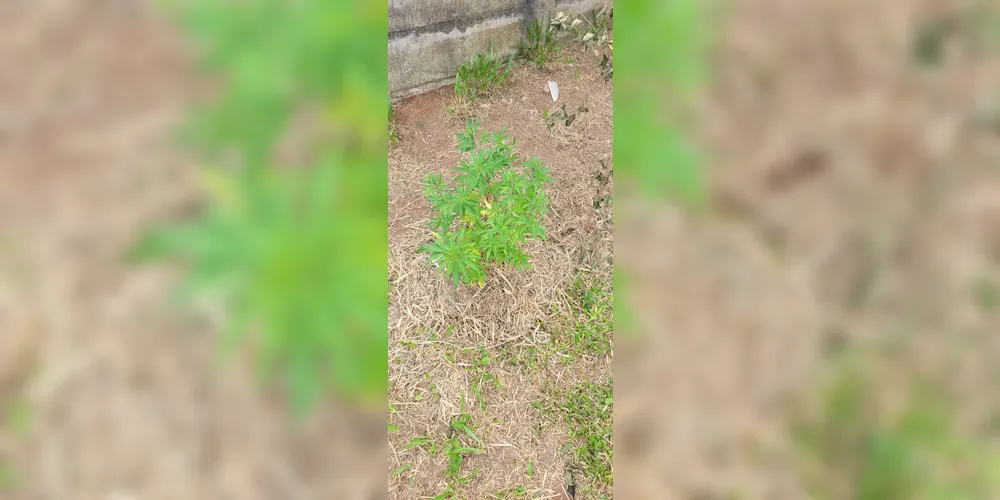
[(485, 73), (456, 450), (498, 202), (539, 44), (481, 374)]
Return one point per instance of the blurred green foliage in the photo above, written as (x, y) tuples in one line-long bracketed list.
[(8, 476), (276, 56), (853, 448), (297, 254), (661, 51)]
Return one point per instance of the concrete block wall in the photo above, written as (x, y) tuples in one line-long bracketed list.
[(430, 39)]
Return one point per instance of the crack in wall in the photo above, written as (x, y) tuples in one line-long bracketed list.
[(461, 24), (421, 39)]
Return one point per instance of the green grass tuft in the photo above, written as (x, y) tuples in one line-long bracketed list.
[(8, 476), (539, 45), (589, 322), (482, 75), (587, 409)]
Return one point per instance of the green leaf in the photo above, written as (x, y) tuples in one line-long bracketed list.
[(417, 442), (472, 435)]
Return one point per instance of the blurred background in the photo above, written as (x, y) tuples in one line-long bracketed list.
[(109, 387), (809, 302)]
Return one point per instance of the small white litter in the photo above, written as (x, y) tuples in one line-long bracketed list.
[(554, 90)]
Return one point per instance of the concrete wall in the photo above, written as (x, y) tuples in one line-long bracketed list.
[(430, 39)]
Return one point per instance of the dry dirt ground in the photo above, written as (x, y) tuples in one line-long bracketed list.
[(106, 392), (522, 322)]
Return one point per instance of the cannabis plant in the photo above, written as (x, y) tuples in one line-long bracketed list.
[(496, 204)]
